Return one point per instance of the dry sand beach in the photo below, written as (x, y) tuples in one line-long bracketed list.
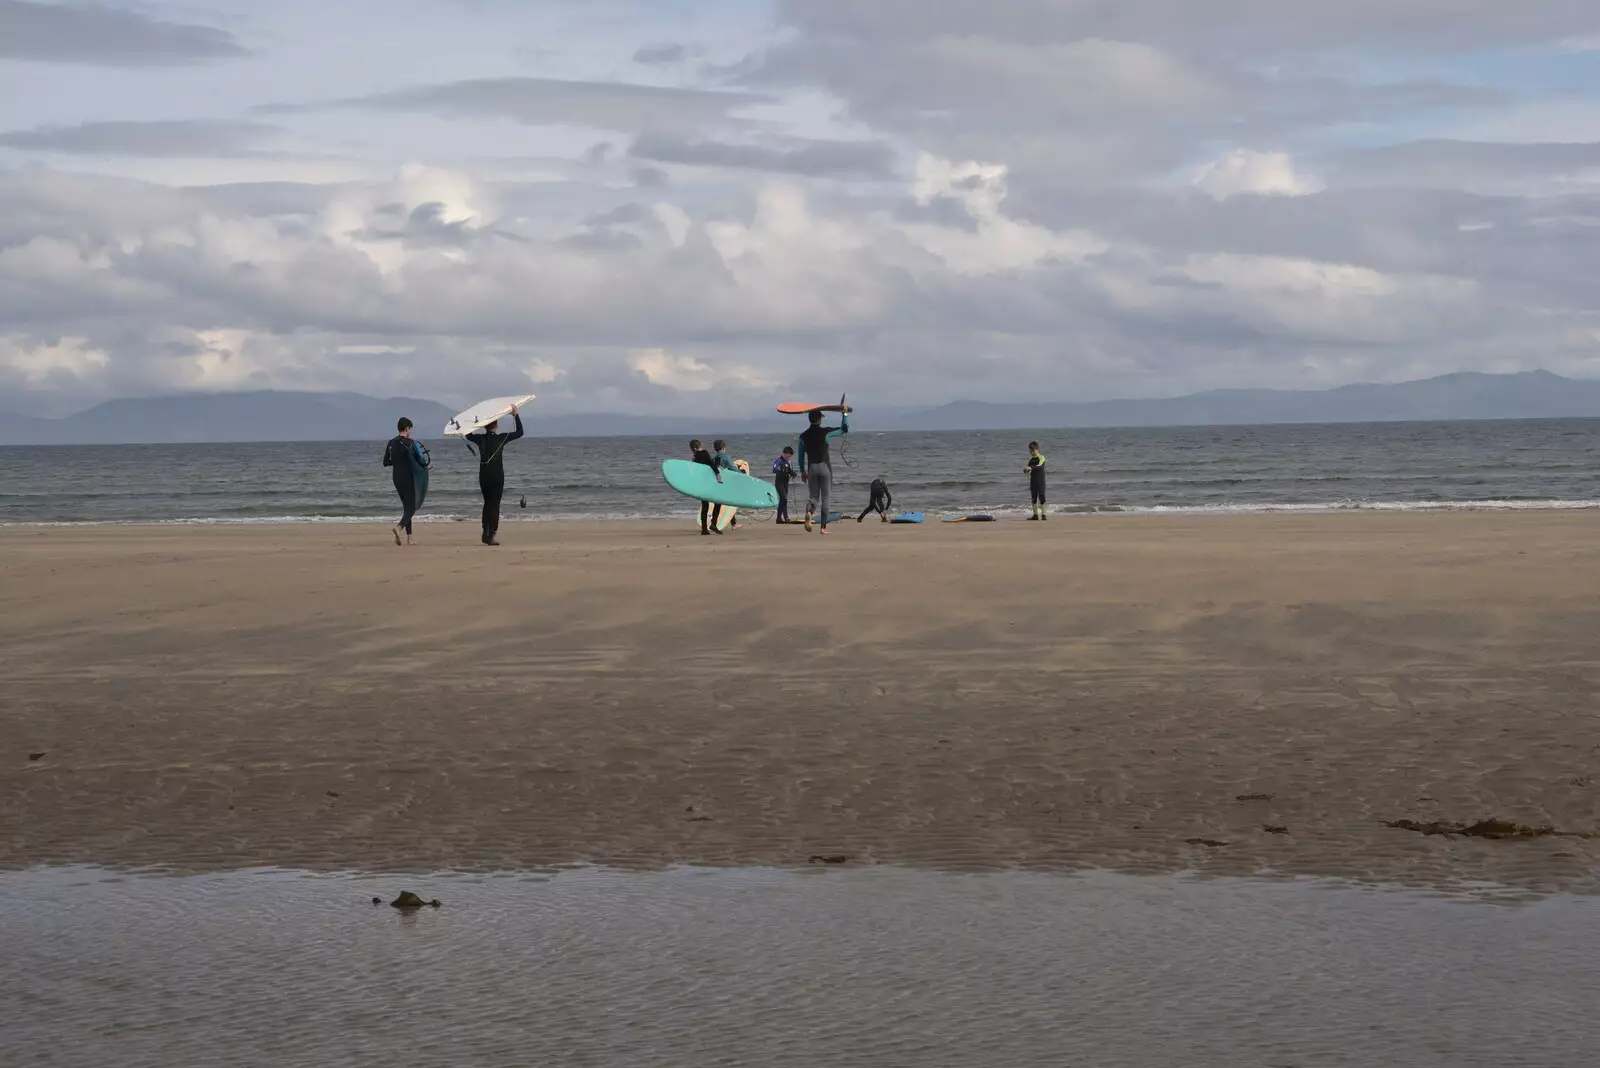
[(1142, 694)]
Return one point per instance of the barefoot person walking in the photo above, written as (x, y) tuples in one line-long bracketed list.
[(492, 471), (816, 465), (409, 461)]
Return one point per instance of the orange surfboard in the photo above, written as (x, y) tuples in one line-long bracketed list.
[(801, 408)]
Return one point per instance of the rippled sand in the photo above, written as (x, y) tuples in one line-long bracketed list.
[(1146, 694), (880, 967)]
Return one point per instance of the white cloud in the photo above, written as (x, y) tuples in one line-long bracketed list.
[(1245, 171), (68, 361), (676, 372)]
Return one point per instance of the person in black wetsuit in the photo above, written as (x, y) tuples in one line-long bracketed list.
[(492, 471), (709, 513), (397, 454), (1035, 471), (880, 502)]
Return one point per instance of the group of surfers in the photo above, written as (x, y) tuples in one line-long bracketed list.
[(813, 463)]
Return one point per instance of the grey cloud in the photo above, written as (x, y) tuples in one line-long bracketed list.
[(263, 199), (554, 102), (661, 54), (1445, 164), (605, 240), (97, 35), (812, 158), (622, 215), (651, 178), (159, 139), (1233, 25), (425, 226), (1087, 93)]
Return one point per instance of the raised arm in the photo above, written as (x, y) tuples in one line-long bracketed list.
[(517, 433)]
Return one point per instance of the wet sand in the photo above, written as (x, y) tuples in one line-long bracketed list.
[(880, 966), (1083, 693)]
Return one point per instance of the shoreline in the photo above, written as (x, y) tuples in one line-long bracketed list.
[(1128, 697), (1008, 511)]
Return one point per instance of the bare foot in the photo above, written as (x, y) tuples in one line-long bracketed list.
[(397, 535)]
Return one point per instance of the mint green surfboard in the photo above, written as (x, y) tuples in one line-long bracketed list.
[(700, 482)]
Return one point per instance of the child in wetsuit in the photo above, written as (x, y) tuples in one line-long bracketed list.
[(708, 511), (1035, 470), (719, 454), (782, 473), (880, 502)]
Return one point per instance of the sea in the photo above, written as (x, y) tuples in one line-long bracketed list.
[(1536, 464)]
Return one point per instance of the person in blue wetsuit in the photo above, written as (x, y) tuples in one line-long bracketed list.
[(816, 465), (409, 461), (782, 473), (490, 444)]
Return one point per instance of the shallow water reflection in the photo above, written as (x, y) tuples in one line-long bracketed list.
[(879, 967)]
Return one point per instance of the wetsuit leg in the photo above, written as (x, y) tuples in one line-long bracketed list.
[(705, 514), (493, 486), (872, 506), (716, 517), (822, 490), (783, 505), (408, 505)]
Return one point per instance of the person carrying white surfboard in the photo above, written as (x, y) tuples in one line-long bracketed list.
[(492, 471), (816, 465), (410, 463)]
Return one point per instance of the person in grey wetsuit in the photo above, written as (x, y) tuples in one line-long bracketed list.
[(816, 465)]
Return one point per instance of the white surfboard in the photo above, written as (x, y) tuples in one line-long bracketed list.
[(483, 413), (725, 517)]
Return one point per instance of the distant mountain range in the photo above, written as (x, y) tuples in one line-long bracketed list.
[(262, 415), (279, 416), (1464, 395)]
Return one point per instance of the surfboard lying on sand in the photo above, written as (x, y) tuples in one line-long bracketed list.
[(976, 517), (725, 518), (801, 408), (483, 413), (700, 482), (908, 517)]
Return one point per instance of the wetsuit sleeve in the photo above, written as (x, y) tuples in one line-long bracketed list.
[(388, 454), (842, 428), (800, 452), (517, 433), (888, 498)]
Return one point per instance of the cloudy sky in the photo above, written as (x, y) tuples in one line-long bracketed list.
[(622, 205)]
